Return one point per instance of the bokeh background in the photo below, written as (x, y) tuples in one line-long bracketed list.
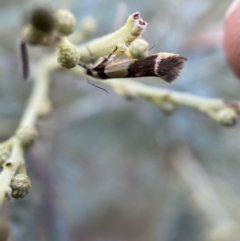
[(108, 169)]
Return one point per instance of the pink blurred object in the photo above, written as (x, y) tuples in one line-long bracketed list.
[(208, 39), (231, 37)]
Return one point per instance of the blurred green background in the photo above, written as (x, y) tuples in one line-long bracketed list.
[(108, 169)]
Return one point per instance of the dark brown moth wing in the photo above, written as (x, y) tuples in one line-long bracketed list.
[(167, 66)]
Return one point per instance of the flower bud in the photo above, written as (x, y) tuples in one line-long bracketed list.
[(42, 19), (20, 185), (26, 136), (167, 107), (139, 49), (227, 117), (33, 36), (65, 22), (68, 56)]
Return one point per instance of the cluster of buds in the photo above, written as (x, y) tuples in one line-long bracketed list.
[(46, 26)]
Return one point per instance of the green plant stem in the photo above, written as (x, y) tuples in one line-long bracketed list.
[(151, 93), (9, 170), (99, 47), (159, 96), (38, 96)]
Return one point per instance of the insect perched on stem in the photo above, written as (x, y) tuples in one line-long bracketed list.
[(167, 66)]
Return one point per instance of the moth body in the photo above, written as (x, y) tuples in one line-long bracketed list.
[(167, 66)]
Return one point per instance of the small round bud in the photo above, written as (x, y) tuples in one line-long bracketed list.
[(68, 56), (33, 36), (4, 154), (227, 117), (168, 107), (42, 18), (88, 25), (20, 185), (139, 49), (65, 21), (26, 136)]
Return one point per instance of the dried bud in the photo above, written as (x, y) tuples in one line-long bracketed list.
[(139, 25), (4, 154), (20, 185), (42, 18), (68, 56), (26, 136), (139, 49), (227, 117), (65, 21)]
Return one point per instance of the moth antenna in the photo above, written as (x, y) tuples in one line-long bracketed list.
[(105, 58), (108, 57), (112, 52), (97, 86), (85, 77), (85, 66), (151, 47)]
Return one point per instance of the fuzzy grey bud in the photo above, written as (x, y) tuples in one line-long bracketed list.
[(68, 56), (20, 185)]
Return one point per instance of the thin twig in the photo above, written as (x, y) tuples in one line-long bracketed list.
[(16, 161)]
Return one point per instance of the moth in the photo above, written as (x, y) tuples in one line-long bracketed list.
[(166, 66)]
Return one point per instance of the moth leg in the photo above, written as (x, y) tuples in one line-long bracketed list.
[(106, 59), (91, 55)]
